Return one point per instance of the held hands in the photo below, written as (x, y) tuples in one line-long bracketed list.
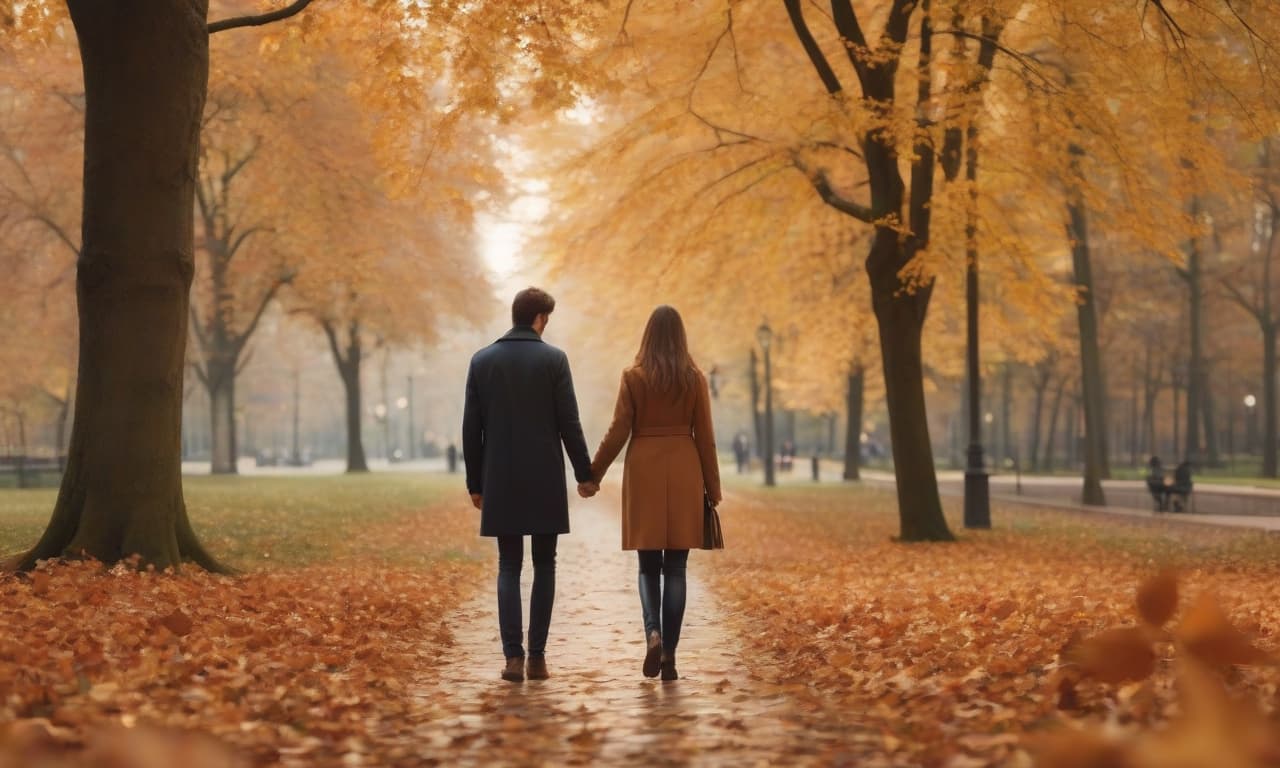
[(477, 501), (588, 489)]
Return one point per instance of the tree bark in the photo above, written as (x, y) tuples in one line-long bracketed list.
[(145, 73), (1094, 391), (853, 432)]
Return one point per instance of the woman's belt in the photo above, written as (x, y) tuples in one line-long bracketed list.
[(663, 432)]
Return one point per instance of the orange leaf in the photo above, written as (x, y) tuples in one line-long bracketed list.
[(1209, 635), (1158, 598), (178, 623), (1115, 655)]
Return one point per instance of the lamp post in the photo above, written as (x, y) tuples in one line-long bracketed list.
[(1250, 441), (380, 413), (401, 404), (764, 334), (977, 493), (410, 429)]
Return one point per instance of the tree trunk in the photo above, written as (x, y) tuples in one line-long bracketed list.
[(1094, 390), (1041, 385), (853, 433), (22, 448), (145, 73), (1053, 425), (221, 377), (1195, 362), (900, 317), (1269, 415)]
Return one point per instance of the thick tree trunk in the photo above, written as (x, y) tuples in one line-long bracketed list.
[(355, 441), (145, 71), (1269, 415), (853, 432), (900, 317), (1094, 390), (222, 413)]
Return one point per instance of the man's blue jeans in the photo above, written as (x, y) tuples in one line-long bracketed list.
[(510, 623)]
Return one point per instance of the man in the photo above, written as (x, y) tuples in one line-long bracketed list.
[(520, 406)]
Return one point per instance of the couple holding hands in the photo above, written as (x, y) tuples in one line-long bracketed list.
[(520, 408)]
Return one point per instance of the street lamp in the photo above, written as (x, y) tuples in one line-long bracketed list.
[(1249, 402), (764, 335), (380, 413)]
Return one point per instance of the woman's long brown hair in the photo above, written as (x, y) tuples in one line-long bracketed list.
[(664, 353)]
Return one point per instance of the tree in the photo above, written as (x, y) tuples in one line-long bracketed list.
[(122, 492)]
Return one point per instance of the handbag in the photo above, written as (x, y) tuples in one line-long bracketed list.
[(712, 536)]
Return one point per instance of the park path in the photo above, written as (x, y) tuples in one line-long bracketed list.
[(597, 708)]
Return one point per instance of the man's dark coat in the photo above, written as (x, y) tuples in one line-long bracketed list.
[(520, 407)]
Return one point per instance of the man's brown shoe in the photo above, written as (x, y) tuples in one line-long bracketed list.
[(538, 668), (515, 669)]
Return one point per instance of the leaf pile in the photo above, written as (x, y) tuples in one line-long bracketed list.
[(953, 652), (299, 665)]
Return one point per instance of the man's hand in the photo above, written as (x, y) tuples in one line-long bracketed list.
[(477, 501), (588, 489)]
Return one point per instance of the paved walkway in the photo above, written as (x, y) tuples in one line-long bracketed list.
[(1003, 489), (597, 708)]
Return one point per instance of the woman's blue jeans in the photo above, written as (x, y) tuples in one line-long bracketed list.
[(662, 593)]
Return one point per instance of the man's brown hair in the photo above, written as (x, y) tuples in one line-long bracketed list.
[(530, 303)]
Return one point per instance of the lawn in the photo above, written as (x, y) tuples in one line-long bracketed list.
[(343, 605), (954, 652)]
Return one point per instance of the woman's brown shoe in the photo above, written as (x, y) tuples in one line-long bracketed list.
[(514, 670), (653, 655), (538, 668), (669, 669)]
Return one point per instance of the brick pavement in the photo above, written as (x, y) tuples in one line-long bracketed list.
[(597, 708)]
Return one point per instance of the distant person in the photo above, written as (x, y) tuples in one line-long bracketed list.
[(664, 409), (787, 455), (1180, 492), (741, 452), (520, 406), (1156, 484), (451, 458)]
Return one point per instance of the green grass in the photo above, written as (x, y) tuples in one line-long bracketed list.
[(256, 522)]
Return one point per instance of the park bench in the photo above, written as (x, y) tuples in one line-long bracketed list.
[(28, 471), (1175, 495)]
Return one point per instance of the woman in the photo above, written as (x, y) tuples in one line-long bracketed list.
[(665, 409)]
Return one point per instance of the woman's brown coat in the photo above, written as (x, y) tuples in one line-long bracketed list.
[(671, 459)]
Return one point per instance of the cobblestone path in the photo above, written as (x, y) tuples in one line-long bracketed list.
[(597, 708)]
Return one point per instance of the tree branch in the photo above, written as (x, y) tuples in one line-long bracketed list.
[(816, 56), (260, 19), (239, 340), (818, 178)]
